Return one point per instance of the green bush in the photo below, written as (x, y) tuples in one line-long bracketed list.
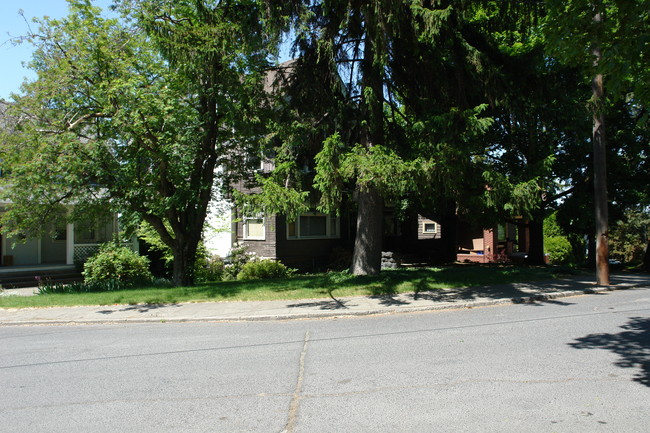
[(208, 268), (265, 268), (559, 250), (115, 262), (48, 288), (236, 260)]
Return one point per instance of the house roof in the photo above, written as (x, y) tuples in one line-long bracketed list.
[(279, 76)]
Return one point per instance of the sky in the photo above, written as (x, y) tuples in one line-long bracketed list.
[(12, 72), (12, 25)]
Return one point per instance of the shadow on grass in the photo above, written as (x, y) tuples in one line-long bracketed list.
[(632, 345), (453, 283)]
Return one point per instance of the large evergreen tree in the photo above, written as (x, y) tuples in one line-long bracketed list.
[(403, 109)]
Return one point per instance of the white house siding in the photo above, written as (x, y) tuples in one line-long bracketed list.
[(19, 252), (217, 232)]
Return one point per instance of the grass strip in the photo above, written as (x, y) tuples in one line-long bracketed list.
[(424, 281)]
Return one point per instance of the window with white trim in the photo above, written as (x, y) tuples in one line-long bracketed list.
[(429, 227), (314, 225), (254, 228)]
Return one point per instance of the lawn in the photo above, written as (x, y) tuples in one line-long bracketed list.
[(333, 284)]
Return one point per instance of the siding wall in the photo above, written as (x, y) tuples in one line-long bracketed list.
[(307, 254), (262, 247), (422, 235)]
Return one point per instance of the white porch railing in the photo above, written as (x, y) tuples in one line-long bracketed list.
[(83, 251)]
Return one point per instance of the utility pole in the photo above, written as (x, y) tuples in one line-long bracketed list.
[(600, 166)]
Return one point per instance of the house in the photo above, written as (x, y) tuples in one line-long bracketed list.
[(68, 244), (507, 242), (314, 239)]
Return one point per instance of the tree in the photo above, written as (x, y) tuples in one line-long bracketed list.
[(630, 235), (133, 114), (608, 38), (401, 114)]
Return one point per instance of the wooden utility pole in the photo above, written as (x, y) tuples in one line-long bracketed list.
[(600, 168)]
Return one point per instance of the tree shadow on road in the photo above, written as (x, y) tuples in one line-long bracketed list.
[(632, 346)]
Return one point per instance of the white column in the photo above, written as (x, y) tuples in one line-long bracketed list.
[(69, 244)]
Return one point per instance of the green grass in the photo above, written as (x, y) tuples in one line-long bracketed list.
[(335, 284)]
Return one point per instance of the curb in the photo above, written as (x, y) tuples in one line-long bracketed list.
[(330, 314)]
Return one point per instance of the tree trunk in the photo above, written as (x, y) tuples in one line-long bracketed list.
[(184, 259), (449, 235), (591, 252), (366, 258), (600, 172), (646, 258), (536, 238), (600, 199)]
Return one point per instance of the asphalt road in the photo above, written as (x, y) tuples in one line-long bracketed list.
[(579, 364)]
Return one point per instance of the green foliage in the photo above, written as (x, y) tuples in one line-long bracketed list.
[(559, 250), (48, 288), (622, 36), (273, 198), (236, 260), (263, 269), (147, 233), (551, 226), (328, 179), (116, 262), (628, 237), (208, 268), (557, 244), (133, 114)]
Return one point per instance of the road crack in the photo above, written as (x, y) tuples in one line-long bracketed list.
[(297, 394)]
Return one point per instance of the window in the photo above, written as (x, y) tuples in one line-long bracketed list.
[(314, 226), (501, 233), (92, 232), (507, 232), (59, 234), (429, 227), (254, 228), (254, 161)]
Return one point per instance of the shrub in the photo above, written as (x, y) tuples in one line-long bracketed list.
[(48, 287), (265, 268), (208, 268), (628, 237), (115, 262), (235, 261), (339, 259), (559, 249)]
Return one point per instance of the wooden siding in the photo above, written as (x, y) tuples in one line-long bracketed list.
[(262, 247), (424, 235)]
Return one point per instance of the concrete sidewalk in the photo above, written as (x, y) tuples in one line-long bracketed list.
[(544, 291)]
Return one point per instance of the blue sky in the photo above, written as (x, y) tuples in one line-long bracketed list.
[(12, 72), (12, 57)]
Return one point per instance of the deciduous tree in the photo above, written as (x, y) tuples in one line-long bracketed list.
[(134, 113)]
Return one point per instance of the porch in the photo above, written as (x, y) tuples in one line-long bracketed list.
[(30, 275)]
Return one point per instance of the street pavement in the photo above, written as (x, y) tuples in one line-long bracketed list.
[(574, 365), (317, 308)]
